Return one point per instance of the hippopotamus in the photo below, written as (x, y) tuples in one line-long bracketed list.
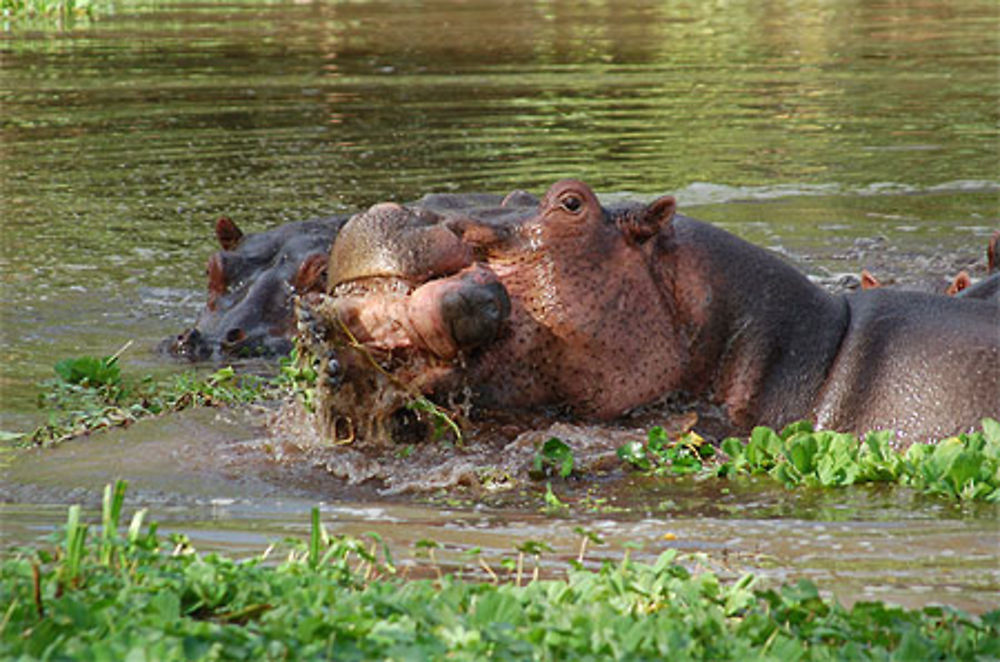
[(251, 281), (962, 285), (565, 306), (988, 288)]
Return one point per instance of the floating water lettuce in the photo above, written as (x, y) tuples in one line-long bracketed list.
[(963, 467)]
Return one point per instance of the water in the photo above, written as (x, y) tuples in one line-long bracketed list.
[(842, 134)]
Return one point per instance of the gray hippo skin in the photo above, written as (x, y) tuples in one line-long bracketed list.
[(571, 307), (251, 281)]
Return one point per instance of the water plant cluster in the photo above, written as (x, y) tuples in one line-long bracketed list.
[(965, 467), (90, 393), (127, 593)]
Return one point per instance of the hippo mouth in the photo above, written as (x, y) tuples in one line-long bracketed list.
[(407, 305), (403, 279), (193, 345)]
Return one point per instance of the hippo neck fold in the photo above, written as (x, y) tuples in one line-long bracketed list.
[(762, 335)]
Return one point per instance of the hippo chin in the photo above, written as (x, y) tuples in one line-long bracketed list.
[(568, 306)]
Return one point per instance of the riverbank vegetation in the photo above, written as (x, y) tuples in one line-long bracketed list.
[(128, 593), (51, 12)]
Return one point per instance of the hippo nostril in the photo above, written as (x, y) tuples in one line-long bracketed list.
[(235, 335), (474, 314)]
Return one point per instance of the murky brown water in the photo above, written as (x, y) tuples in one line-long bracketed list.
[(842, 134)]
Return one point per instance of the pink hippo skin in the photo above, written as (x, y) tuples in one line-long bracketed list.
[(596, 312)]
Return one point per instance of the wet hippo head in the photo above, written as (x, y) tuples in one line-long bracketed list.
[(251, 281), (557, 304)]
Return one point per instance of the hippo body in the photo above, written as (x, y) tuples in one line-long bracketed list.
[(597, 312), (988, 289)]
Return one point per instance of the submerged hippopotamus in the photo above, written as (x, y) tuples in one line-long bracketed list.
[(251, 281), (567, 306), (962, 285)]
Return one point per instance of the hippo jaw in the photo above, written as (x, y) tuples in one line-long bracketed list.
[(406, 306)]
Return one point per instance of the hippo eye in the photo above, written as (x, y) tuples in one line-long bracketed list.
[(571, 203)]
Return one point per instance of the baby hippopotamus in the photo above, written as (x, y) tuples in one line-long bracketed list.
[(569, 306), (251, 282)]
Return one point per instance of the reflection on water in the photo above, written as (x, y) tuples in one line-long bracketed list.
[(843, 134)]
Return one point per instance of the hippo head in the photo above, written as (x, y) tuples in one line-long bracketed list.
[(562, 304), (251, 281)]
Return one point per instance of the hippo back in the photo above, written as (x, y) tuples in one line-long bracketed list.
[(923, 364)]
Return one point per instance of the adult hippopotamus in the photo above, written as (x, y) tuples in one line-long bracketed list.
[(568, 306)]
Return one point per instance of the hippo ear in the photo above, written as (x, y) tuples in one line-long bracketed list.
[(227, 233), (216, 280), (311, 275), (643, 224), (961, 282), (868, 281), (993, 253)]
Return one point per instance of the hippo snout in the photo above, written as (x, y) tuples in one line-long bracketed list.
[(458, 313), (474, 312), (190, 345)]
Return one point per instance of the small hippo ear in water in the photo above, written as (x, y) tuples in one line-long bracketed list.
[(640, 226), (993, 253), (227, 233), (962, 282), (869, 281)]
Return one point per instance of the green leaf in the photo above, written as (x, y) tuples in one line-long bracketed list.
[(555, 456), (656, 439), (634, 452)]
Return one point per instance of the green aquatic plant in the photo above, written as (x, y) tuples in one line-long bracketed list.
[(118, 596), (964, 467), (298, 372), (553, 458), (685, 454), (90, 393)]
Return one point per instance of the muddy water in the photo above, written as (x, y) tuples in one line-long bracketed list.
[(843, 135)]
